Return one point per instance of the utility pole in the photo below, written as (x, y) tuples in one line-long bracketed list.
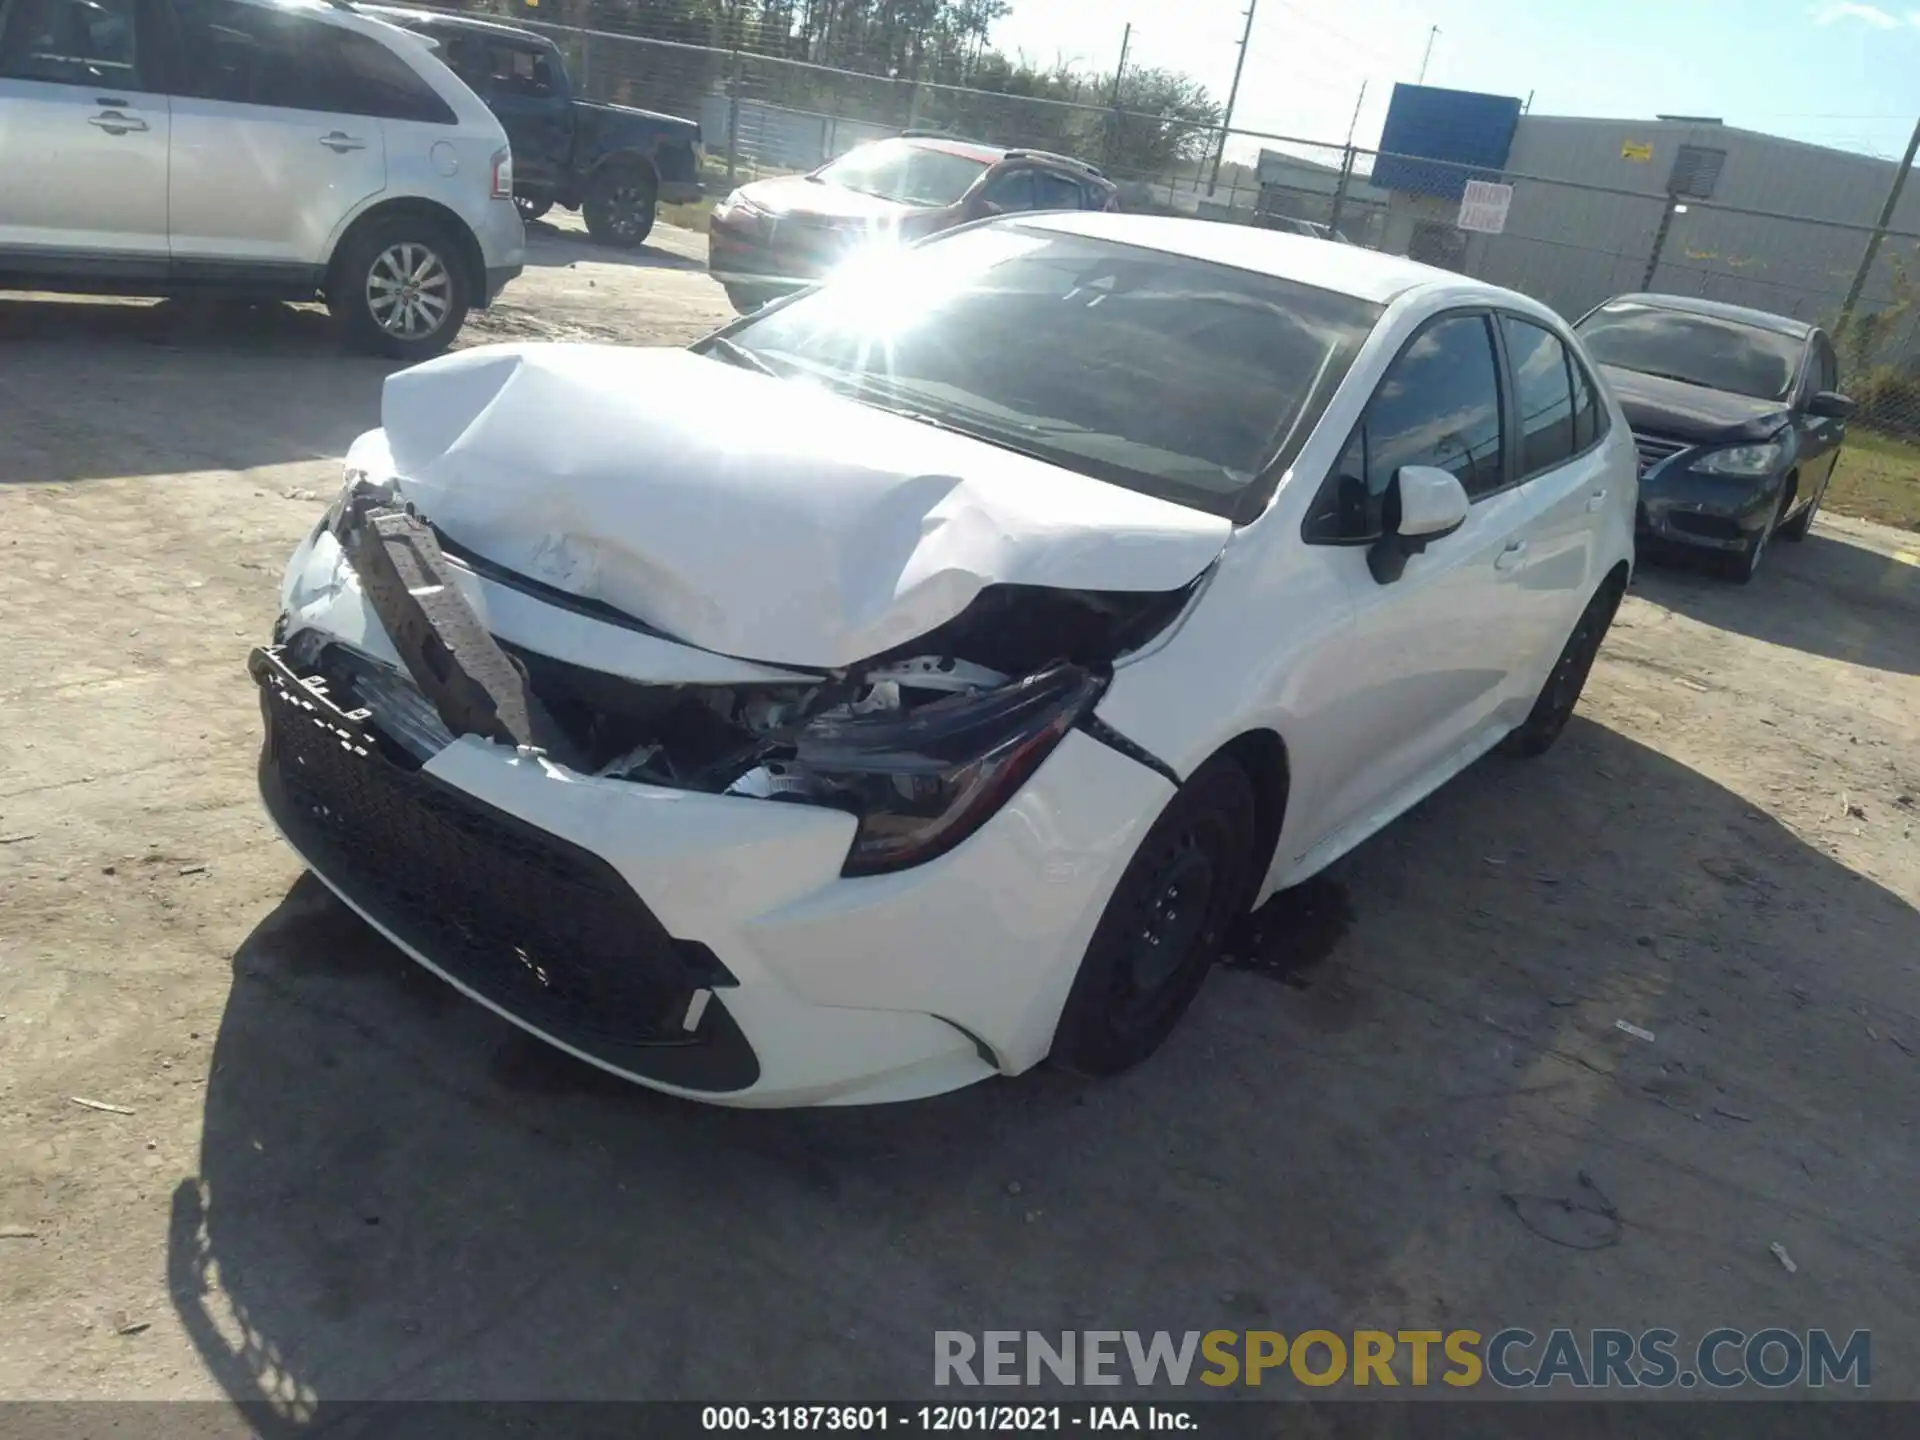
[(1126, 39), (1113, 121), (1233, 94), (1879, 234), (1432, 35)]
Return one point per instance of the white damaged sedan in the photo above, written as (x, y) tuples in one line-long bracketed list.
[(916, 679)]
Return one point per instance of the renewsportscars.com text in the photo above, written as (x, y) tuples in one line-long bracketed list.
[(1513, 1358)]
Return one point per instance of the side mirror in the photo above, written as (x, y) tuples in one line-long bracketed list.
[(1830, 405), (1423, 503)]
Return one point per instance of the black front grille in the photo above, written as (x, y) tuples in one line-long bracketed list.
[(547, 931), (1652, 449)]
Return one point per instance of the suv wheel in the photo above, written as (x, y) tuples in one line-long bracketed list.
[(620, 205), (399, 289)]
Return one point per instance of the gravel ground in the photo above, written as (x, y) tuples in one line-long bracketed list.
[(329, 1178)]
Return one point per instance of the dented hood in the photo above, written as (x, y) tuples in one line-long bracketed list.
[(759, 518)]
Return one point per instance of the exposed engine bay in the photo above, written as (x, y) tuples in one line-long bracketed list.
[(945, 727)]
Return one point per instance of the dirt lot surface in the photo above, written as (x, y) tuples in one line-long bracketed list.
[(329, 1178)]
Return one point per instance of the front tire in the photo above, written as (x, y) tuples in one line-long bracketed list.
[(1554, 706), (399, 289), (1798, 528), (1743, 564), (620, 206), (1189, 880)]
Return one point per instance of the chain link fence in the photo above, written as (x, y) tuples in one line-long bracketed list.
[(1574, 216)]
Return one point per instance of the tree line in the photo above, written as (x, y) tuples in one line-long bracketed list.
[(1150, 121)]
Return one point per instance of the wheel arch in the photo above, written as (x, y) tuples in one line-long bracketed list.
[(639, 160), (466, 245), (1263, 755)]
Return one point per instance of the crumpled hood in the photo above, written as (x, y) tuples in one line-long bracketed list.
[(1693, 412), (759, 518)]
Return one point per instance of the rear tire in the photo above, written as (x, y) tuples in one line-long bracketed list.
[(1555, 704), (399, 289), (1187, 883), (620, 206)]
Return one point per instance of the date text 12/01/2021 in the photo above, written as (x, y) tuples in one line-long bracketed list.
[(937, 1419)]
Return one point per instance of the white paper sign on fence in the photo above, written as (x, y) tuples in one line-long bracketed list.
[(1484, 206)]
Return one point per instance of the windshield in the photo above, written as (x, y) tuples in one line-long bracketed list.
[(1699, 349), (1168, 375), (903, 171)]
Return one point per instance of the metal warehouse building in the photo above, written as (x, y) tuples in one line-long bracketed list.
[(1705, 209)]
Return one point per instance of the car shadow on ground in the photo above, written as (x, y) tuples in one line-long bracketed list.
[(259, 328), (195, 385), (1826, 596), (1435, 1121), (554, 245)]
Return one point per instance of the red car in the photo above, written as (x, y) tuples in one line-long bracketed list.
[(775, 236)]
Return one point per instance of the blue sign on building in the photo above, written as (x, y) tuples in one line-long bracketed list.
[(1470, 131)]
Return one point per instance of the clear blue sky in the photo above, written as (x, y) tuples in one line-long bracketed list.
[(1841, 74)]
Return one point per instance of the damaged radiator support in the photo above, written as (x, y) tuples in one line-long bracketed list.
[(477, 688)]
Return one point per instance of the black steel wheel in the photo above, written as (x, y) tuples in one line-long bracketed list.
[(1160, 934), (1555, 703), (620, 206)]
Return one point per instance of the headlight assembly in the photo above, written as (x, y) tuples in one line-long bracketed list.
[(921, 781), (1743, 460)]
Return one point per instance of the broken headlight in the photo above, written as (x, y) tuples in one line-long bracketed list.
[(921, 781)]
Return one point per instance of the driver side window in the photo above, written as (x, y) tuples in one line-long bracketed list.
[(1010, 191), (1439, 405)]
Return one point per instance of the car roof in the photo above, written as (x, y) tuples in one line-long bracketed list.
[(1720, 310), (967, 149), (1344, 269), (413, 15)]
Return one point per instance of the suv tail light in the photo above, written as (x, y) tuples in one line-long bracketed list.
[(503, 174)]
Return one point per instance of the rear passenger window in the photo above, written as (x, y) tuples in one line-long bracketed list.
[(1542, 394), (1055, 192), (69, 42), (253, 55), (1438, 405)]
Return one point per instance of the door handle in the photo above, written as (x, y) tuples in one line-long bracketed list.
[(1510, 557), (340, 144), (114, 123), (1596, 500)]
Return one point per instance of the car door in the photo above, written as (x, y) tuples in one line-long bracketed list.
[(1561, 487), (268, 155), (1820, 436), (525, 87), (83, 138), (1434, 650)]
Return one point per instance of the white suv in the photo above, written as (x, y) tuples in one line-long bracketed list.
[(280, 151)]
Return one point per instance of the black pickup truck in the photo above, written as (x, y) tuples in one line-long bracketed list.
[(613, 162)]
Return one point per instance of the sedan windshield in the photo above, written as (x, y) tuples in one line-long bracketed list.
[(1168, 375), (903, 171), (1698, 349)]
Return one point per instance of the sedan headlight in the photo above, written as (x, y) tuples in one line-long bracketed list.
[(922, 781), (1745, 460)]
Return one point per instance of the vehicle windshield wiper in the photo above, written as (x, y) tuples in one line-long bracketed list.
[(885, 400), (735, 353)]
